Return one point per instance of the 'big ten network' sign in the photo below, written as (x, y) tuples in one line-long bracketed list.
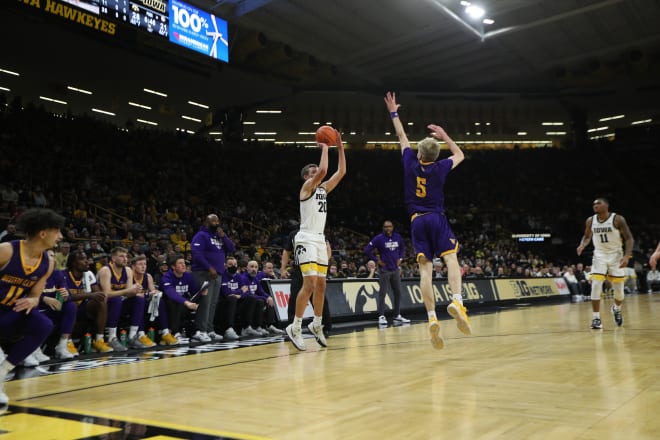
[(442, 292), (531, 287)]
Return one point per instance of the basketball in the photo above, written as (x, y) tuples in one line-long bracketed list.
[(326, 135)]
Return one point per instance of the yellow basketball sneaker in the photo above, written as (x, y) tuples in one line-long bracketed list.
[(99, 345), (168, 339), (459, 313), (436, 337), (72, 348)]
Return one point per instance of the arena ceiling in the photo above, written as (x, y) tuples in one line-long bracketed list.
[(331, 61)]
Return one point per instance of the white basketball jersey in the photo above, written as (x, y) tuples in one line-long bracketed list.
[(606, 237), (313, 212)]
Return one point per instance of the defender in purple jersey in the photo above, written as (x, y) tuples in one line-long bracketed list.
[(423, 191), (24, 268)]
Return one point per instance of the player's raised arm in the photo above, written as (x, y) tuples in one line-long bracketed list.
[(332, 182), (393, 108), (457, 155), (317, 177)]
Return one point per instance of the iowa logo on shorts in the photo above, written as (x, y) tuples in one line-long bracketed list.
[(300, 250)]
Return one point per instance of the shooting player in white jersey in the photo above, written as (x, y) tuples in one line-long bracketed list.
[(609, 232), (310, 247)]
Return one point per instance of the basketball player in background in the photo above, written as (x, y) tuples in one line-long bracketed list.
[(24, 268), (423, 191), (311, 250), (610, 232), (653, 261)]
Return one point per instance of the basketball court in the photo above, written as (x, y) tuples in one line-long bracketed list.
[(528, 372)]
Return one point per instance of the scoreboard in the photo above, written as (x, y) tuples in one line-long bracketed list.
[(151, 15), (173, 20)]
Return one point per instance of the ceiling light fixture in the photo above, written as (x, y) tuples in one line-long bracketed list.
[(135, 104), (144, 121), (609, 118), (197, 104), (9, 72), (76, 89), (57, 101), (190, 118), (154, 92), (105, 112), (474, 11)]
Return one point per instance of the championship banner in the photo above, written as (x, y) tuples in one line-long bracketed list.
[(517, 288)]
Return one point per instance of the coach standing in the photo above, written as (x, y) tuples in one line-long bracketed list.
[(209, 246), (390, 248)]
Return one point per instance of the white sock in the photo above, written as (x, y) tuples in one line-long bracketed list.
[(457, 297), (5, 367), (112, 333), (318, 320), (63, 342), (99, 336), (297, 323), (165, 331), (432, 315), (132, 331), (596, 315), (617, 308)]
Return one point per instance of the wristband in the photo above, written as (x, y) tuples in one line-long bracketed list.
[(394, 115)]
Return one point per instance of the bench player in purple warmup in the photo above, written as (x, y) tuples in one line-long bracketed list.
[(24, 268)]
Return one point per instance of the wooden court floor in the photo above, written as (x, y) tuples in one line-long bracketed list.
[(528, 372)]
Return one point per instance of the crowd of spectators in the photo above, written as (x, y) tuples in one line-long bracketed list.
[(150, 191)]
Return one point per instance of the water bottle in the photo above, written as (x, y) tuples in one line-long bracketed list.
[(58, 295), (152, 334), (87, 343), (123, 338)]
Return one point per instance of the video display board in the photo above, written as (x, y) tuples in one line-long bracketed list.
[(178, 22)]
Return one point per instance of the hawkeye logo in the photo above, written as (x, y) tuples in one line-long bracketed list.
[(362, 297)]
